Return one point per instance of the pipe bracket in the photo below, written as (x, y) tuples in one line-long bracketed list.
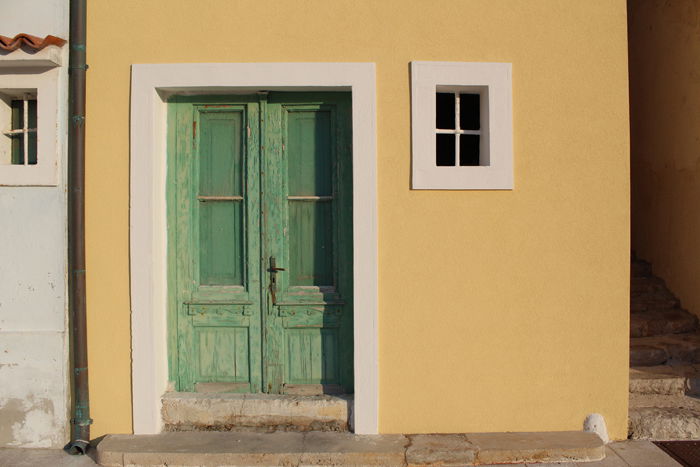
[(81, 422)]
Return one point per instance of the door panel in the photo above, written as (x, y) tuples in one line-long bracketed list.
[(221, 229), (253, 178), (221, 153), (221, 253), (223, 353), (309, 149), (310, 243), (214, 244), (309, 326)]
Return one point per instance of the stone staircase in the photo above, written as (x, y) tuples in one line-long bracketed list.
[(664, 361)]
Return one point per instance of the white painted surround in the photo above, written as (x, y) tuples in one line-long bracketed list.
[(493, 81), (150, 87)]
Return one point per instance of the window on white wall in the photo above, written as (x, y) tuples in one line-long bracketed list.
[(461, 126), (30, 128)]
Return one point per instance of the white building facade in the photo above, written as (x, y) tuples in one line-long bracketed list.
[(34, 331)]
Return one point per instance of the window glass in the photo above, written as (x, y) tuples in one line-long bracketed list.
[(445, 150), (23, 133), (445, 110)]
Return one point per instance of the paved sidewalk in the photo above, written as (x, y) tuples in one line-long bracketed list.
[(627, 454), (620, 454), (42, 458)]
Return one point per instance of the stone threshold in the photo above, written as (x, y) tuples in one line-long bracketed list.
[(208, 449), (183, 411)]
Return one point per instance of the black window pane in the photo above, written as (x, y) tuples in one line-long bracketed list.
[(469, 111), (17, 140), (445, 110), (31, 153), (469, 149), (445, 150)]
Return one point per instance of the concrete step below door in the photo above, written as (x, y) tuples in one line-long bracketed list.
[(346, 449), (184, 411)]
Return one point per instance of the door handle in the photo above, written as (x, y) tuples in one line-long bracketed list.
[(273, 278)]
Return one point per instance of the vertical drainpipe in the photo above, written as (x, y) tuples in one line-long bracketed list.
[(80, 421)]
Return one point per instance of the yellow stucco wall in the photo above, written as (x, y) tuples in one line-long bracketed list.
[(665, 105), (498, 311)]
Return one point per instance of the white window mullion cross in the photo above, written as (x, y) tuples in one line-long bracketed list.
[(457, 129), (459, 132), (25, 127)]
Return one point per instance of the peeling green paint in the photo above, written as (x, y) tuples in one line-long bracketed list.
[(251, 178)]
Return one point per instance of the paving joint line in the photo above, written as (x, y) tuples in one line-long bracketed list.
[(405, 449), (474, 446), (303, 449)]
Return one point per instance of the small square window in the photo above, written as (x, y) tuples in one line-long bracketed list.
[(461, 125)]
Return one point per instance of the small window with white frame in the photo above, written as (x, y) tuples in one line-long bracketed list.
[(18, 119), (30, 128), (461, 126)]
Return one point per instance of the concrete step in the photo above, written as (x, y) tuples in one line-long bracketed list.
[(669, 321), (647, 284), (647, 355), (665, 380), (673, 349), (664, 417), (183, 411), (344, 449), (652, 302)]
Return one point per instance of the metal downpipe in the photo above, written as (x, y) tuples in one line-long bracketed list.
[(80, 420)]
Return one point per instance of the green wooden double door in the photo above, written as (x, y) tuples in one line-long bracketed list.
[(260, 243)]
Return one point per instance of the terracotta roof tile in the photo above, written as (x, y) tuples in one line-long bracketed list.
[(37, 43)]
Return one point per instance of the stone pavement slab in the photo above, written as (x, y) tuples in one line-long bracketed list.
[(642, 454), (493, 448), (23, 457), (251, 449), (611, 460), (349, 449), (443, 450)]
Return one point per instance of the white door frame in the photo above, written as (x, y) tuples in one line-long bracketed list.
[(150, 87)]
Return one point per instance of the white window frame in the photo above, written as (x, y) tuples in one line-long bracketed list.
[(493, 81), (44, 85)]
